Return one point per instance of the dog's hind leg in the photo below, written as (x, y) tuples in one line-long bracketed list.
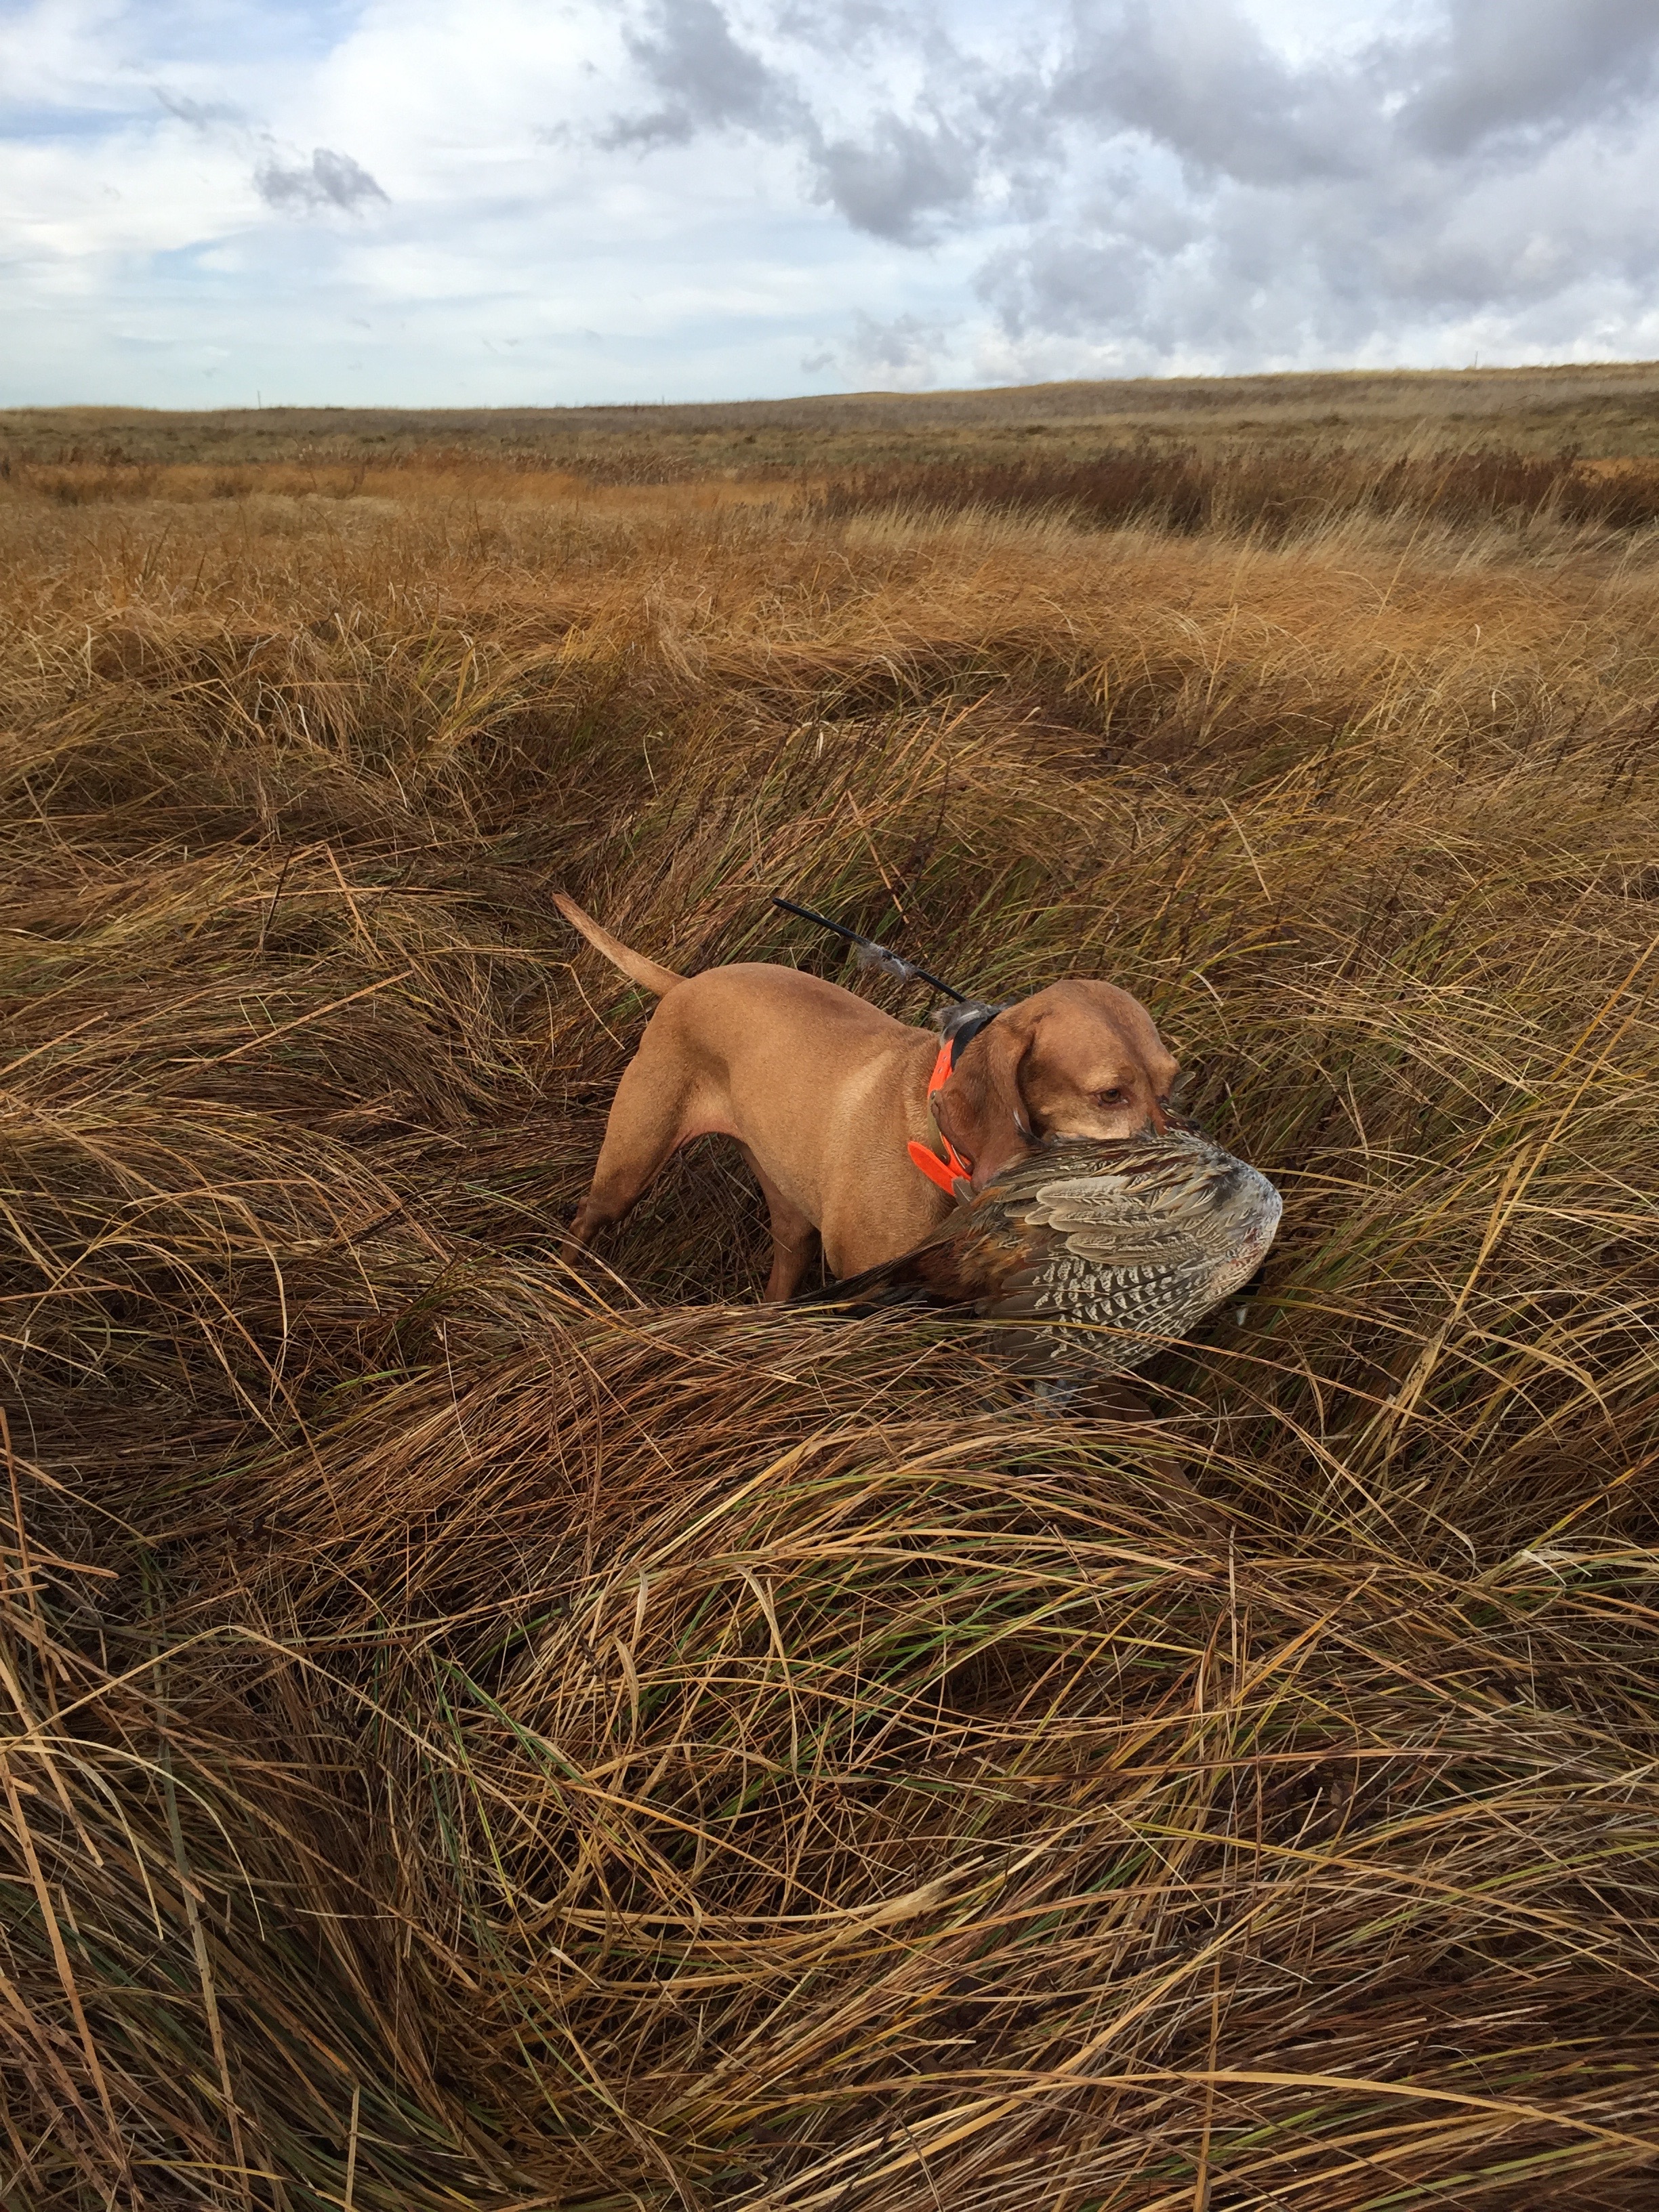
[(653, 1115), (794, 1239)]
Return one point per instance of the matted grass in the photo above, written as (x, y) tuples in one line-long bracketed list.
[(491, 1731)]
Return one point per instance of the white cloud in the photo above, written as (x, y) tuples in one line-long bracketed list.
[(418, 200)]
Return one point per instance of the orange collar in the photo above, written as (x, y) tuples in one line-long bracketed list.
[(951, 1173)]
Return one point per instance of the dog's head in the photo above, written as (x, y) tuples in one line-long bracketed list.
[(1078, 1060)]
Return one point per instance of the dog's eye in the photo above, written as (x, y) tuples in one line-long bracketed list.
[(1109, 1098)]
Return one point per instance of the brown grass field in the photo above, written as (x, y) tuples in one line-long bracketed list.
[(491, 1731)]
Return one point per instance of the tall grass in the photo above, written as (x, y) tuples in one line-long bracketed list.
[(1271, 493), (493, 1729)]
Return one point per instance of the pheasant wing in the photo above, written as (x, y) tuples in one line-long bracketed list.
[(1127, 1245), (1115, 1247)]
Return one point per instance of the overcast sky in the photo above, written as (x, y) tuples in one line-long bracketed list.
[(480, 202)]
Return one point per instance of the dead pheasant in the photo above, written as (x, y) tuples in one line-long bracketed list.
[(1099, 1252)]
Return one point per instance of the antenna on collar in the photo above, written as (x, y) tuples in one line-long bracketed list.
[(872, 955)]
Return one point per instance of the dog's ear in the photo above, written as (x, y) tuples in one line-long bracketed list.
[(982, 1110)]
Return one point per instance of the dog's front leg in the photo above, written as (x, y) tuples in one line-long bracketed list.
[(794, 1239)]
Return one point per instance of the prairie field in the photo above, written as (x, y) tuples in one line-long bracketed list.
[(495, 1728)]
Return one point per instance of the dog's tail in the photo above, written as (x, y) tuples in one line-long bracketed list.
[(634, 965)]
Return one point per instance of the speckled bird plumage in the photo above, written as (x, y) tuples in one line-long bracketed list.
[(1117, 1247)]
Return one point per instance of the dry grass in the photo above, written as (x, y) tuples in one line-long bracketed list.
[(1604, 411), (487, 1733), (1266, 494)]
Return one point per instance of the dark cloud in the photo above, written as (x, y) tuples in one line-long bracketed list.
[(1198, 77), (708, 81), (1158, 174), (1504, 67), (836, 25), (900, 176), (1062, 283), (327, 179), (200, 114), (290, 184), (1474, 164)]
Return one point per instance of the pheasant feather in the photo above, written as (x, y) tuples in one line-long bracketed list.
[(1098, 1252)]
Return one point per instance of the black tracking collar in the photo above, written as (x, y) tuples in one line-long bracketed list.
[(962, 1024)]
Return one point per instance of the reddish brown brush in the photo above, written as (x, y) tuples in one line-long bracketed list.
[(1268, 494), (493, 1728)]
